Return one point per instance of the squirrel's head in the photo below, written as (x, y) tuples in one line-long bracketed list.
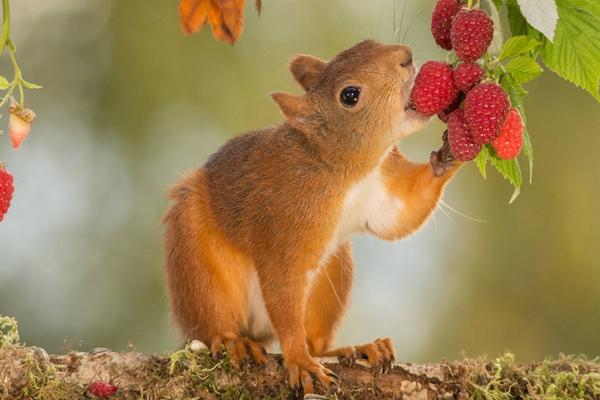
[(358, 98)]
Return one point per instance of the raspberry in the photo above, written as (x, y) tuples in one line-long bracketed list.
[(471, 34), (486, 106), (102, 389), (461, 141), (6, 190), (508, 144), (441, 22), (19, 123), (467, 75), (433, 90), (443, 115)]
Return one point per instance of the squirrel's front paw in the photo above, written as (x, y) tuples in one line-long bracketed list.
[(301, 374), (442, 160)]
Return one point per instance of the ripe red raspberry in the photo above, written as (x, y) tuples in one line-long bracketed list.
[(102, 389), (433, 90), (461, 141), (441, 22), (486, 106), (467, 75), (508, 144), (471, 34), (6, 190)]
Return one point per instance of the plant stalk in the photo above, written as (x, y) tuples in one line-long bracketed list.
[(5, 25)]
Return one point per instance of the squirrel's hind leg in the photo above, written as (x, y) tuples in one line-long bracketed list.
[(207, 277), (328, 298), (326, 304)]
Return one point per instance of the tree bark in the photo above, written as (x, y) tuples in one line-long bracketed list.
[(29, 372)]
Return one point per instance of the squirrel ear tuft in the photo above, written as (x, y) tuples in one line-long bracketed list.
[(306, 69), (295, 109)]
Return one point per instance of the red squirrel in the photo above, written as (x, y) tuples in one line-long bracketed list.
[(257, 242)]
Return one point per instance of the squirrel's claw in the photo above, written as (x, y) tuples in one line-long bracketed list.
[(242, 351), (380, 355), (301, 377)]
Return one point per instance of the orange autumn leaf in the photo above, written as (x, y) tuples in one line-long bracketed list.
[(225, 17)]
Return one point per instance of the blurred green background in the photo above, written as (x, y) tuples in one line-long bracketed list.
[(129, 103)]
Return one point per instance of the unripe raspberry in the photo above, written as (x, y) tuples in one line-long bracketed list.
[(486, 107), (441, 22), (19, 123), (508, 144), (472, 33), (433, 90), (461, 140)]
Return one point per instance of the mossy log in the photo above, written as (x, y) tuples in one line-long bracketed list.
[(30, 373)]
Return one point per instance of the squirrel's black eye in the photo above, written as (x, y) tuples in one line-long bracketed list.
[(349, 96)]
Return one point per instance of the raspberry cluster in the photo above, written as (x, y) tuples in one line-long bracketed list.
[(478, 111), (6, 190)]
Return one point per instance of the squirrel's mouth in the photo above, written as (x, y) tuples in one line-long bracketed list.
[(407, 93)]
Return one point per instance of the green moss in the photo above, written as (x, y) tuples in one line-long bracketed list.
[(197, 367), (202, 370), (566, 378), (9, 333), (43, 382)]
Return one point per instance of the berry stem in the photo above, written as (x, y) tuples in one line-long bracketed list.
[(7, 43), (5, 24)]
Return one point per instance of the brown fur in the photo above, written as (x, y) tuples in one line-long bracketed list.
[(269, 201)]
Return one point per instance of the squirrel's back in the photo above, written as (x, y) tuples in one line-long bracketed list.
[(255, 179)]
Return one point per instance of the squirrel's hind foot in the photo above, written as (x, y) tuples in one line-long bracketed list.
[(301, 376), (241, 351), (379, 355)]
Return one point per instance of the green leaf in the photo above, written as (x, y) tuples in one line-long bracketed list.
[(515, 92), (481, 161), (523, 69), (575, 53), (590, 6), (498, 38), (516, 20), (518, 45), (510, 170), (4, 83), (497, 3), (540, 14), (30, 85), (528, 151)]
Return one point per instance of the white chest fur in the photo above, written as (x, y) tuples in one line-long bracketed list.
[(260, 326), (259, 323), (368, 206)]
